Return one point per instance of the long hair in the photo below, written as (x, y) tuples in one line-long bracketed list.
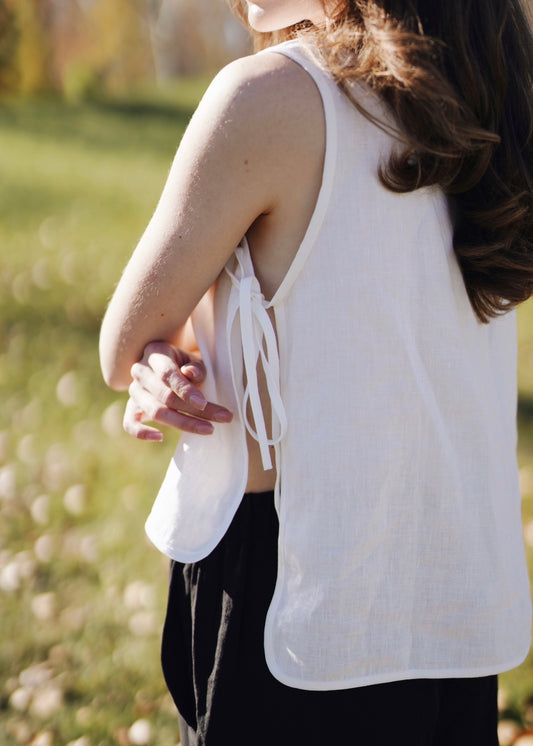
[(458, 78)]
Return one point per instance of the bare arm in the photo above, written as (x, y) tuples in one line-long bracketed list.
[(250, 162), (165, 389), (225, 174)]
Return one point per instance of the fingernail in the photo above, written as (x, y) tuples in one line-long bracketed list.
[(198, 401), (204, 428), (223, 416), (154, 436)]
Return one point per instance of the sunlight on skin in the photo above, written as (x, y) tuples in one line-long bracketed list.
[(69, 585)]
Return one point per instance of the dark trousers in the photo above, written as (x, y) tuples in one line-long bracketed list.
[(215, 668)]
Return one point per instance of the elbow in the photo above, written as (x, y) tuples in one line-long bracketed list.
[(115, 380), (119, 344), (116, 370), (114, 377)]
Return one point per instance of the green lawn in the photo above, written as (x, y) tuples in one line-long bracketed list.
[(81, 592)]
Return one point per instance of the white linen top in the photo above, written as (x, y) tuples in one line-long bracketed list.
[(394, 410)]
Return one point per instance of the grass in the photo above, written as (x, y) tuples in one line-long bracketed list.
[(81, 593)]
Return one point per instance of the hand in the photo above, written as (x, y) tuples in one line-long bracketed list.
[(165, 390)]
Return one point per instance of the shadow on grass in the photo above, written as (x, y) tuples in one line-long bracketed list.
[(525, 409), (144, 109), (525, 420), (122, 124)]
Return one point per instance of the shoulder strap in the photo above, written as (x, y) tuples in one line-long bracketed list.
[(304, 56)]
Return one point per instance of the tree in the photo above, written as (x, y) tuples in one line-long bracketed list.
[(86, 46), (191, 36), (32, 55), (9, 36)]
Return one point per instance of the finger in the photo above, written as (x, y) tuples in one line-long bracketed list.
[(168, 371), (194, 371), (145, 378), (152, 409), (192, 366), (162, 348), (133, 424)]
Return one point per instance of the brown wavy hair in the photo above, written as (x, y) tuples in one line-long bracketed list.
[(458, 78)]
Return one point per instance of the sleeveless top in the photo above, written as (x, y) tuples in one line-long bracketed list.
[(394, 427)]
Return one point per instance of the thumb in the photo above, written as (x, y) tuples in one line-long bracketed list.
[(194, 370)]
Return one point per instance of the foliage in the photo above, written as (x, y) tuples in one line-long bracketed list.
[(89, 48), (9, 40)]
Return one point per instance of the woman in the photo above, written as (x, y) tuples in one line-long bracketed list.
[(358, 351)]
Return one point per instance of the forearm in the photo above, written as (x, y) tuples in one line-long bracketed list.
[(116, 359), (224, 176)]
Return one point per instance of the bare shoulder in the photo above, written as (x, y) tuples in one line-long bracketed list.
[(270, 74), (268, 95)]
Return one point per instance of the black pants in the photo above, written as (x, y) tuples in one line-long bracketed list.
[(214, 665)]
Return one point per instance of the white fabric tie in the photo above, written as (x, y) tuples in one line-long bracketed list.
[(258, 341)]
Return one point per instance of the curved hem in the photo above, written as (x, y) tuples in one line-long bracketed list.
[(174, 553), (170, 550), (387, 677)]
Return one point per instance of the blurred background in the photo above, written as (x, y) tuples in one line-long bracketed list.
[(84, 48), (94, 97)]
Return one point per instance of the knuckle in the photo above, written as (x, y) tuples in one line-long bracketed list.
[(136, 370), (149, 349), (168, 398), (127, 425), (168, 375), (158, 413), (153, 348), (150, 411), (178, 384), (129, 420)]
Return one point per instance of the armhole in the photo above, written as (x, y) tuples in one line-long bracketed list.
[(326, 88)]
